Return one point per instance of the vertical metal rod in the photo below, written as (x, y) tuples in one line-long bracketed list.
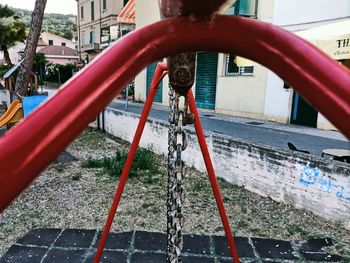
[(159, 74), (212, 177), (127, 97)]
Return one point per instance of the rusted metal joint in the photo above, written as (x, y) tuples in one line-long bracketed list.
[(181, 72)]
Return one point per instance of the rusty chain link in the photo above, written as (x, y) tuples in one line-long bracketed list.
[(177, 142)]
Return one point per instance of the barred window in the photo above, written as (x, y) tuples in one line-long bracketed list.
[(232, 69)]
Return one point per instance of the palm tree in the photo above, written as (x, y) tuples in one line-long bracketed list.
[(30, 49), (12, 30)]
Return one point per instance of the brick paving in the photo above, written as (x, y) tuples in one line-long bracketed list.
[(74, 246)]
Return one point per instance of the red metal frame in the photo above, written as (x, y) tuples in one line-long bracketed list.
[(212, 178), (161, 71), (159, 74), (29, 147)]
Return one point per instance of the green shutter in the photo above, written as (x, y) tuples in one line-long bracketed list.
[(150, 72), (206, 74)]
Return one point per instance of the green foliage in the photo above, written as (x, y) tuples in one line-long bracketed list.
[(77, 176), (40, 59), (6, 11), (39, 66), (52, 70), (3, 69), (57, 24), (144, 163), (67, 34), (12, 28)]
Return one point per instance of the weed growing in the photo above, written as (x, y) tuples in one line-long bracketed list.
[(145, 163)]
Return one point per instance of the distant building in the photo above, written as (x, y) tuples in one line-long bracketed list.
[(56, 49), (102, 22), (60, 54), (226, 83), (54, 40)]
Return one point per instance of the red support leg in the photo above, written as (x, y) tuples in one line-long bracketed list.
[(159, 74), (212, 177)]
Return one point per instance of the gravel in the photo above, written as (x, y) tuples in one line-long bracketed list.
[(66, 195)]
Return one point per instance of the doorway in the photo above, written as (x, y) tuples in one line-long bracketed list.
[(302, 112)]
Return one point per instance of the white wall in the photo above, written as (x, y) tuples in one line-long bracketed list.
[(147, 12), (13, 52), (241, 95), (299, 12), (57, 40), (278, 100), (281, 175)]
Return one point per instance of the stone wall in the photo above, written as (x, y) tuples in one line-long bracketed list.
[(310, 182)]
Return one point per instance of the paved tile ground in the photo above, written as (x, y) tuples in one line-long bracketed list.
[(74, 246)]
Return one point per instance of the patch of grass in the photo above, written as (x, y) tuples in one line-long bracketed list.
[(76, 176), (91, 136), (145, 163), (60, 167), (295, 229)]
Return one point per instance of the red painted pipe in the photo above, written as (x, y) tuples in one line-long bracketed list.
[(159, 74), (30, 146), (211, 173)]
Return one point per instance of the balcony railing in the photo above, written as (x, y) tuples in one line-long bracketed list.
[(90, 46)]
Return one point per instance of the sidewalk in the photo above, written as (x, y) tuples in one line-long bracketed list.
[(262, 123), (72, 245), (262, 132)]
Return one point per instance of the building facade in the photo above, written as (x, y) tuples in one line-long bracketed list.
[(232, 85), (56, 49), (100, 24)]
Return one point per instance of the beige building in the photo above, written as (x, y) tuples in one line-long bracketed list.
[(100, 24), (228, 84)]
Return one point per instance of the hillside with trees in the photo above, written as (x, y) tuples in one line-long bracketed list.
[(58, 24)]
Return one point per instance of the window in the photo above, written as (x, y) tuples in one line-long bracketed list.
[(92, 11), (104, 4), (63, 44), (82, 12), (232, 69), (50, 42), (92, 37), (83, 38), (244, 8)]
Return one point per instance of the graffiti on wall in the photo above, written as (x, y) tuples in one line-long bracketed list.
[(313, 176)]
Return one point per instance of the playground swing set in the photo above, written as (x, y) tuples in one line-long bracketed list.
[(54, 125), (20, 107)]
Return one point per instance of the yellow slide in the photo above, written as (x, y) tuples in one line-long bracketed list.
[(13, 114)]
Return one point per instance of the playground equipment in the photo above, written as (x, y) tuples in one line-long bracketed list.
[(18, 110), (51, 128), (13, 114), (9, 81)]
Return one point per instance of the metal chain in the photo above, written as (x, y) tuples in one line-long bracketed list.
[(177, 142)]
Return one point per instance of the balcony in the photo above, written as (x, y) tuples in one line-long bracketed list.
[(90, 47)]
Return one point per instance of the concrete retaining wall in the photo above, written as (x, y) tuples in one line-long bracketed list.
[(309, 182)]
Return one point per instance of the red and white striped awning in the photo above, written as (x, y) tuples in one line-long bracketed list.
[(127, 15)]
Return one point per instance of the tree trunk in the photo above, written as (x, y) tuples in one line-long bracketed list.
[(6, 55), (23, 77)]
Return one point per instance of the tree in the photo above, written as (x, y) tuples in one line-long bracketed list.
[(67, 34), (30, 49), (12, 30)]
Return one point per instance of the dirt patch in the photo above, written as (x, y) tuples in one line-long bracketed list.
[(69, 196)]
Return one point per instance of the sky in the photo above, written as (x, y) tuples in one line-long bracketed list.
[(52, 6)]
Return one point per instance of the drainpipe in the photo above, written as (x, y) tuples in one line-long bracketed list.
[(78, 20), (100, 27)]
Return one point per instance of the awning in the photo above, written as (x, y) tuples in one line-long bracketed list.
[(244, 62), (127, 15), (333, 39)]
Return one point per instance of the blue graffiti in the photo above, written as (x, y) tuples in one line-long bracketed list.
[(312, 176)]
